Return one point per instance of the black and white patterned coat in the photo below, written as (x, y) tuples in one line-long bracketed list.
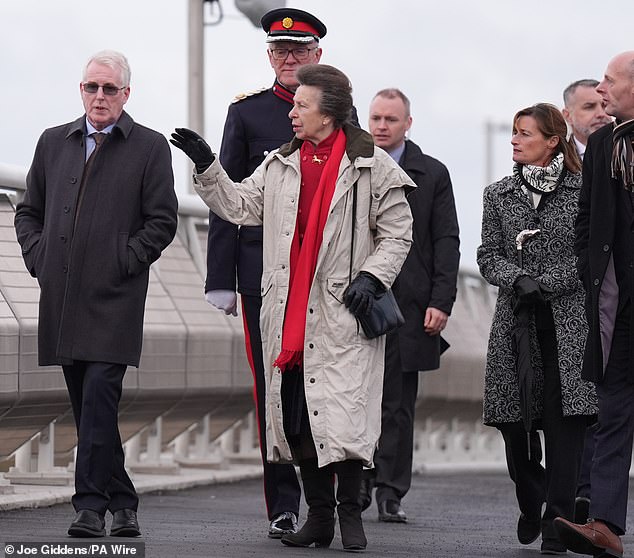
[(549, 259)]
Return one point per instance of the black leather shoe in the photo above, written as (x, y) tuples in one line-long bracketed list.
[(87, 523), (391, 511), (283, 524), (582, 509), (124, 524), (528, 529)]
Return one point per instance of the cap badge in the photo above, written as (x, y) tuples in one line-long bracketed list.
[(287, 22)]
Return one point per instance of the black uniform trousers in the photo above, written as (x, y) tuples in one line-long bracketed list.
[(281, 487), (613, 439), (556, 484), (101, 481), (393, 458)]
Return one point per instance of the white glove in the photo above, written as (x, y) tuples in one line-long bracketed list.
[(224, 300)]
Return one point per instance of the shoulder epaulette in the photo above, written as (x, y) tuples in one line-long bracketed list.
[(241, 96)]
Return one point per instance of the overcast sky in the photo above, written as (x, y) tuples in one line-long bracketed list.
[(460, 63)]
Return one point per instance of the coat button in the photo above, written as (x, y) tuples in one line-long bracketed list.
[(321, 446), (66, 209), (65, 269), (376, 195), (310, 345), (596, 282), (315, 413), (62, 238), (73, 180), (312, 380), (310, 310), (606, 247)]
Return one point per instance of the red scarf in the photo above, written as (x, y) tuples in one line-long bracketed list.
[(304, 261)]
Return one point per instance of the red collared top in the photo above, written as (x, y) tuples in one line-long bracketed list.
[(312, 161)]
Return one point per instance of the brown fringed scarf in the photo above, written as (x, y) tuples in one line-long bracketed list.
[(623, 153)]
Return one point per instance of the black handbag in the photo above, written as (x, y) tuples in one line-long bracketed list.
[(385, 315)]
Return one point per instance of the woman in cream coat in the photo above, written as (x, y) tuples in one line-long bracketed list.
[(341, 369)]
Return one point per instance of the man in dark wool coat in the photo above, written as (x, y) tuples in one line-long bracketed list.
[(425, 291), (99, 208), (605, 260)]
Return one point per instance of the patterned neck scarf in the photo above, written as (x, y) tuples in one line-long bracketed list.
[(541, 180), (622, 164)]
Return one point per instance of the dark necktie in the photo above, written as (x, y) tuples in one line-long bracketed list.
[(98, 137)]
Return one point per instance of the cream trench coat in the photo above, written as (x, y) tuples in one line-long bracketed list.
[(343, 369)]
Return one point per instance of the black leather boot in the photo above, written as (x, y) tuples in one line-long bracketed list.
[(319, 492), (349, 509)]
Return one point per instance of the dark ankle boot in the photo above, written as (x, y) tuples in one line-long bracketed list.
[(349, 509), (319, 492)]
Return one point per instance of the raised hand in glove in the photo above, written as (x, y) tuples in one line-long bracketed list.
[(195, 147), (527, 290), (359, 296)]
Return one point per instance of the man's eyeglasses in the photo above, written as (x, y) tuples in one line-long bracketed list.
[(300, 53), (92, 87)]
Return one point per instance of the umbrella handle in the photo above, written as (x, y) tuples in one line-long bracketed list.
[(528, 439)]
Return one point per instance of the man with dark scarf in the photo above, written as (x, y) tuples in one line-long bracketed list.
[(605, 251)]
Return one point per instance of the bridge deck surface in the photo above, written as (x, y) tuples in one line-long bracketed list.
[(467, 515)]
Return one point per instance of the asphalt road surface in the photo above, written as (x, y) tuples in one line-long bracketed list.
[(468, 515)]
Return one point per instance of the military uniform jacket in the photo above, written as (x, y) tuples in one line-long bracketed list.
[(255, 126)]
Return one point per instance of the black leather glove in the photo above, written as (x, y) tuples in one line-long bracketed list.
[(528, 291), (195, 148), (359, 296)]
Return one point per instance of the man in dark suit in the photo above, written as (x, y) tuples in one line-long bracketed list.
[(257, 123), (605, 252), (425, 291), (584, 112), (99, 208)]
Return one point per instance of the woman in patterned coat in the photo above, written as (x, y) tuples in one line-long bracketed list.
[(541, 194)]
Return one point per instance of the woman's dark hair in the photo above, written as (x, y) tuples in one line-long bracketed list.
[(336, 91), (550, 122)]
